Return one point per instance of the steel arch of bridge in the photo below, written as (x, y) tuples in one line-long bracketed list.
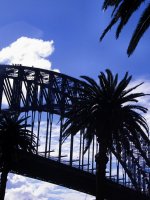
[(44, 96)]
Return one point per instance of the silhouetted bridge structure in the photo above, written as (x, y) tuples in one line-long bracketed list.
[(45, 96)]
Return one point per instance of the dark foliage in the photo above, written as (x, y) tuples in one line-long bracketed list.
[(110, 111), (122, 12), (14, 135)]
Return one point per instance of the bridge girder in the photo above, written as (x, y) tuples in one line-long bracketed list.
[(28, 89)]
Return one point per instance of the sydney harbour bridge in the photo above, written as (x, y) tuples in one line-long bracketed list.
[(44, 96)]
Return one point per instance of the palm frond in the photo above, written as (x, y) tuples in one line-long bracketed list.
[(105, 110), (122, 11), (142, 26), (111, 24), (122, 85), (125, 92), (91, 82), (131, 97), (116, 6), (14, 133), (88, 136), (128, 8), (108, 3)]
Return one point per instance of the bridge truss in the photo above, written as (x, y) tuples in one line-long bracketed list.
[(45, 96)]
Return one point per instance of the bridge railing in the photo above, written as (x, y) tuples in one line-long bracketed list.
[(44, 96)]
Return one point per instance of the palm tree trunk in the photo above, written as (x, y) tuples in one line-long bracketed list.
[(3, 182), (101, 162)]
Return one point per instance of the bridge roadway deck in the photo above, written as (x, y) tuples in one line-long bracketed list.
[(52, 171)]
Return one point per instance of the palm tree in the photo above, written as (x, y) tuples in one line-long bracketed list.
[(108, 110), (122, 12), (13, 136)]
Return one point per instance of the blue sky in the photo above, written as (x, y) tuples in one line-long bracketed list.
[(64, 35), (75, 27)]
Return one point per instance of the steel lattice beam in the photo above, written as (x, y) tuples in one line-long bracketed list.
[(46, 95)]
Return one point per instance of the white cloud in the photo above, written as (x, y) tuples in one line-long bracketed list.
[(23, 188), (145, 88), (28, 52), (30, 189), (35, 52), (144, 101)]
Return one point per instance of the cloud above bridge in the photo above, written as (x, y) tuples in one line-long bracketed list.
[(29, 52)]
